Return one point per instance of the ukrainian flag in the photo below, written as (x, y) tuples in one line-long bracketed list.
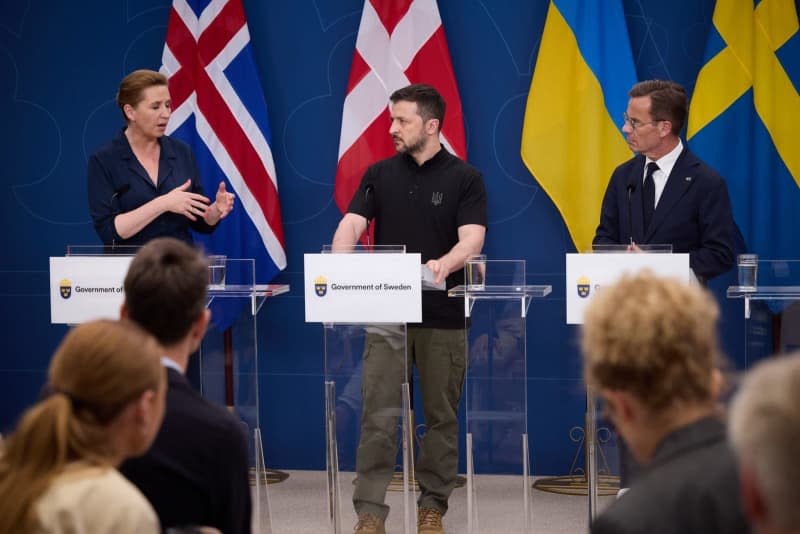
[(571, 136), (745, 116)]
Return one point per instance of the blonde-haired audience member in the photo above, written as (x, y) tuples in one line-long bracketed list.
[(58, 469), (651, 353), (764, 427)]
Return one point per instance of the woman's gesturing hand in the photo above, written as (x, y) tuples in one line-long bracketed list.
[(222, 205), (182, 202)]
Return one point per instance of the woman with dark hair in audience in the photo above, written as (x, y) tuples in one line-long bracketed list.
[(58, 469)]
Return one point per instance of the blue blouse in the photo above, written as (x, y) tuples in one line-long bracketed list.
[(117, 183)]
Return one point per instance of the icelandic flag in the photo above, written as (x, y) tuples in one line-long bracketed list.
[(218, 108)]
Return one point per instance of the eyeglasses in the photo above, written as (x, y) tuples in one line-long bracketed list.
[(636, 123)]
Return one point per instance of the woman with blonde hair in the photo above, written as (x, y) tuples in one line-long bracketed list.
[(58, 469)]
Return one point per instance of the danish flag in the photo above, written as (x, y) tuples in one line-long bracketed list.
[(218, 108), (399, 42)]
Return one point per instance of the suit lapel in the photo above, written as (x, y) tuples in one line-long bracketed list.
[(135, 167), (637, 220), (165, 162), (680, 180), (126, 154)]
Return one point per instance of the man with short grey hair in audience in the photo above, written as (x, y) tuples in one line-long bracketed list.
[(764, 428)]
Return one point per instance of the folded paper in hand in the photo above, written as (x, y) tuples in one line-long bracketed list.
[(428, 278)]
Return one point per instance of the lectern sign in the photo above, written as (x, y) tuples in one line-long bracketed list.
[(363, 288), (83, 288), (588, 273)]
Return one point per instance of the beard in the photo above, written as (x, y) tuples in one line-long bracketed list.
[(414, 146)]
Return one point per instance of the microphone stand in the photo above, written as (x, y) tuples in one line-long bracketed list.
[(117, 195), (367, 195), (631, 189)]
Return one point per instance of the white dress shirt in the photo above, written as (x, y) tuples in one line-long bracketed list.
[(665, 165)]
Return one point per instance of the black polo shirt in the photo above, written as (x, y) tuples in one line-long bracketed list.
[(421, 207)]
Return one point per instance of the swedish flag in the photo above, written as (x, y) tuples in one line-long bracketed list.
[(571, 139), (745, 115)]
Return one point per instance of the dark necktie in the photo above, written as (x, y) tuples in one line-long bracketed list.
[(649, 195)]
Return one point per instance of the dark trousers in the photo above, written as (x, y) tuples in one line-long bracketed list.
[(440, 359)]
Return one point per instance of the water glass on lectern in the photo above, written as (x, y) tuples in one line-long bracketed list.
[(216, 271), (748, 271), (476, 272)]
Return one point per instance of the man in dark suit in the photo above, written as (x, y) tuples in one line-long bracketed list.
[(665, 194), (649, 351), (196, 472)]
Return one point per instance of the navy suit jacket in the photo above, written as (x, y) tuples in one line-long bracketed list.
[(693, 214), (117, 183), (196, 472)]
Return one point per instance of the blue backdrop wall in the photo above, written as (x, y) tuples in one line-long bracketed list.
[(60, 65)]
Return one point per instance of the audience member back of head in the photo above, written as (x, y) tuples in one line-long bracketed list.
[(651, 353), (765, 432), (197, 471), (106, 402)]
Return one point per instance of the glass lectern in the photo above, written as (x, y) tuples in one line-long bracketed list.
[(350, 356), (771, 309), (496, 383), (228, 356)]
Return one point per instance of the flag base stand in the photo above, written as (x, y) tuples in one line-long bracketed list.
[(577, 485), (267, 476)]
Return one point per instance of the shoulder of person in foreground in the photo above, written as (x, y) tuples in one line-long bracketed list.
[(695, 493), (95, 500)]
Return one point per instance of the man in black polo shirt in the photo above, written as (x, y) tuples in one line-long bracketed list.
[(435, 204)]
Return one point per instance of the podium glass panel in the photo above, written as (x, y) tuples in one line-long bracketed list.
[(600, 447), (229, 365), (368, 362), (597, 442), (496, 385), (771, 309), (229, 356)]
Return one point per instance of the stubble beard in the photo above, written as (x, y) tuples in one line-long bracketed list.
[(412, 149)]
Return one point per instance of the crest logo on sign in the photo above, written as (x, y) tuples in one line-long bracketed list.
[(584, 287), (321, 286), (65, 287)]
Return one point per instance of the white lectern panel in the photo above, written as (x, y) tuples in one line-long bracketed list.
[(363, 288), (588, 273), (83, 288)]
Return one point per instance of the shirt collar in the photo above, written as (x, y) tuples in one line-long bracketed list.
[(127, 152), (667, 161), (171, 364), (440, 155)]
